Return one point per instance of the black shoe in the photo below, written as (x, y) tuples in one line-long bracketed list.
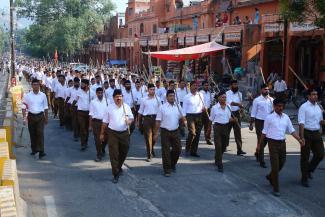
[(209, 142), (167, 174), (41, 155), (76, 139), (263, 165), (240, 153), (83, 148), (120, 173), (98, 159), (115, 179), (149, 159), (220, 169), (268, 177), (153, 154), (276, 193), (33, 153), (305, 183), (174, 169), (195, 155), (256, 156), (310, 176)]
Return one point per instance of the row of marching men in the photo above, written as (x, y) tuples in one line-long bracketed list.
[(113, 112)]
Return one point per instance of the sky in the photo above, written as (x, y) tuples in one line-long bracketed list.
[(120, 5)]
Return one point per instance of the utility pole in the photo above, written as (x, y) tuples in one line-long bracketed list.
[(12, 41)]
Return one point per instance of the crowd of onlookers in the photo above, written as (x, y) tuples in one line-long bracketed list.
[(223, 19)]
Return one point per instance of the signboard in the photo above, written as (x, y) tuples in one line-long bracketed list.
[(156, 70), (302, 27), (189, 40), (153, 43), (202, 38), (180, 41), (233, 37), (163, 42), (273, 27), (218, 38)]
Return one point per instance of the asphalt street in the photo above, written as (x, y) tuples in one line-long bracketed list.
[(68, 183)]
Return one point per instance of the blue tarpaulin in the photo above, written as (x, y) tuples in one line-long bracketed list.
[(116, 62)]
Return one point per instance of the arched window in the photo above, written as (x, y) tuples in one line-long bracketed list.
[(141, 28)]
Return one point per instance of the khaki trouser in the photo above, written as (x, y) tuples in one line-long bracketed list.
[(36, 131), (259, 124), (60, 103), (150, 134), (75, 123), (83, 120), (206, 126), (100, 146), (118, 145), (277, 149), (194, 125), (314, 143), (171, 148), (221, 141), (68, 116), (55, 106), (52, 101), (237, 130)]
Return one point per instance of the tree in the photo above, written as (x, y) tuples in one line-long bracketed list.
[(304, 10), (4, 41), (65, 25)]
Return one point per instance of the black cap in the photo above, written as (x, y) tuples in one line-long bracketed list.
[(278, 101), (221, 93), (233, 81), (85, 81), (76, 79), (264, 86), (111, 80), (127, 82), (150, 85), (169, 92), (99, 89), (117, 92)]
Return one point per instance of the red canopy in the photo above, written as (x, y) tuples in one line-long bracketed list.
[(188, 53)]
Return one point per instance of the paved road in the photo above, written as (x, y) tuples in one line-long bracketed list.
[(68, 183)]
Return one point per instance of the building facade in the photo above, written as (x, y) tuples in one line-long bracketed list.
[(257, 37)]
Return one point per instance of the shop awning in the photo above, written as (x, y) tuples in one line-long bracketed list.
[(253, 51), (188, 53)]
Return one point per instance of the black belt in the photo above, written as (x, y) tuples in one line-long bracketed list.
[(193, 114), (312, 131), (218, 124), (95, 119), (172, 131), (60, 98), (149, 116), (31, 114), (120, 132), (83, 111), (275, 140), (258, 119)]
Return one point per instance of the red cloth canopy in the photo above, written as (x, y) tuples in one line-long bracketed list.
[(188, 53)]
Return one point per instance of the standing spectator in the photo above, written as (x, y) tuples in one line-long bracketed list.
[(257, 16), (248, 20), (237, 20), (225, 19)]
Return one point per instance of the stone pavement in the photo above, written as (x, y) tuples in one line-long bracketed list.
[(68, 183)]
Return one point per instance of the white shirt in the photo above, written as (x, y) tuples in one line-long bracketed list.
[(98, 108), (275, 126), (48, 82), (60, 90), (83, 99), (115, 117), (181, 93), (68, 91), (310, 115), (169, 116), (54, 83), (128, 98), (109, 94), (73, 95), (206, 98), (35, 103), (219, 115), (280, 86), (95, 86), (138, 95), (262, 107), (193, 103), (149, 106), (234, 97)]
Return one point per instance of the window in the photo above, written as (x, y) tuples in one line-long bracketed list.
[(121, 22), (130, 31), (141, 28), (130, 11), (154, 28)]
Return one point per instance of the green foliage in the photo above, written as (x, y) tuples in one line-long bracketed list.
[(65, 25), (4, 41), (302, 10)]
